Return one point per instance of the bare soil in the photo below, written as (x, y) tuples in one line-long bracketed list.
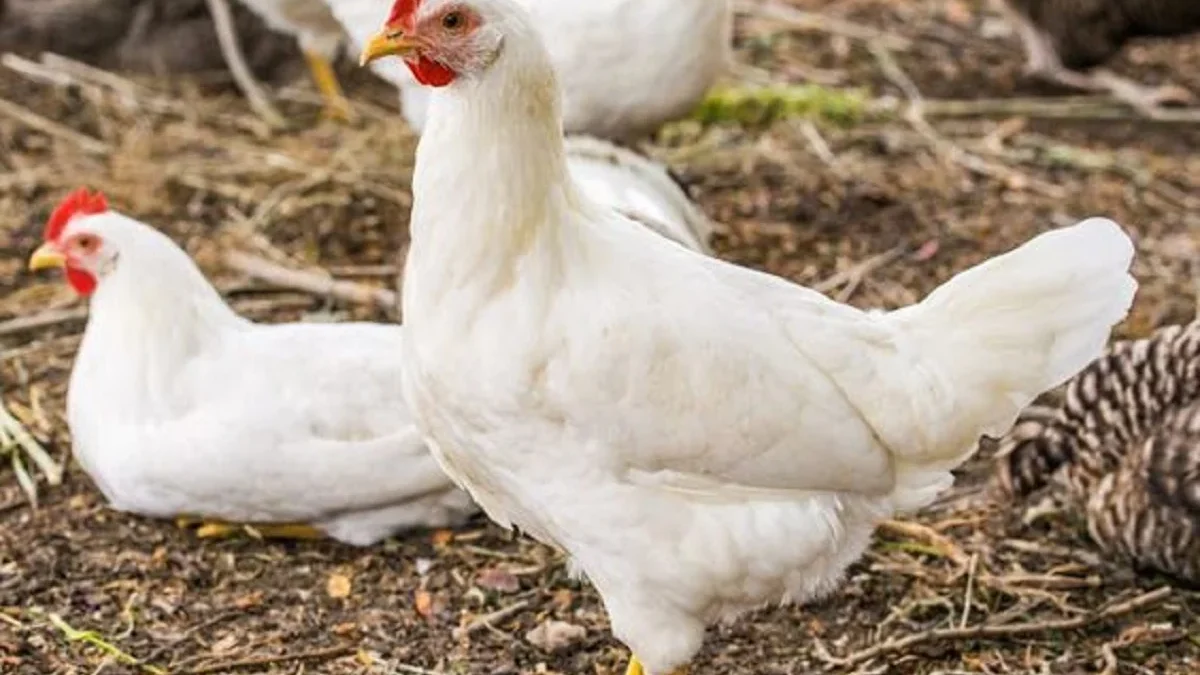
[(879, 218)]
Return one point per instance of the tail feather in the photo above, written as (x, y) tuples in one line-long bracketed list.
[(1003, 332)]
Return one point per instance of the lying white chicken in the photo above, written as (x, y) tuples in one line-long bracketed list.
[(638, 187), (701, 438), (626, 66), (180, 407)]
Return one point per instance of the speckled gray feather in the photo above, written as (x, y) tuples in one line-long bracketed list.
[(1124, 445)]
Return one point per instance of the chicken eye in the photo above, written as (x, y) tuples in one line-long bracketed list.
[(86, 243), (452, 21)]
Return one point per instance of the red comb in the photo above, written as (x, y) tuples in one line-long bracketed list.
[(402, 12), (80, 202)]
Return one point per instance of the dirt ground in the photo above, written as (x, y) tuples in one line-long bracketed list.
[(875, 212)]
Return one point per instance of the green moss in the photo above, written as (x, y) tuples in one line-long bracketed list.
[(763, 105)]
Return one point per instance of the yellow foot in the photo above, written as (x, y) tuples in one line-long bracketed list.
[(212, 529), (216, 530), (184, 522), (635, 668), (336, 105), (287, 531)]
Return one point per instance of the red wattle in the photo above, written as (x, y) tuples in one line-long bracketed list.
[(430, 73), (83, 282)]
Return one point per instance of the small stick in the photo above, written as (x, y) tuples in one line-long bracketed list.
[(1111, 611), (818, 144), (801, 20), (314, 283), (915, 116), (930, 536), (860, 270), (253, 661), (487, 620), (33, 120), (232, 51), (45, 319)]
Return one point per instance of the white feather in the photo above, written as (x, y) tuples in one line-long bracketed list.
[(177, 406)]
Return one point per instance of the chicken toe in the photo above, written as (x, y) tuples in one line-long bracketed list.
[(337, 107)]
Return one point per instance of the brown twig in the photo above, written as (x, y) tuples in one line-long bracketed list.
[(311, 282), (45, 319), (854, 275), (489, 619), (801, 20), (915, 116), (232, 51), (1110, 611), (35, 121), (255, 661)]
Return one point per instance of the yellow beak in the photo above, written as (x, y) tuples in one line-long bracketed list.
[(46, 256), (387, 42)]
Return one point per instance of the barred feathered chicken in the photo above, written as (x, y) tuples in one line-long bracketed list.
[(1065, 39), (1124, 446)]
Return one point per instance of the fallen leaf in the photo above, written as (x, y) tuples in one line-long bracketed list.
[(498, 579), (345, 628), (338, 586), (253, 599), (442, 538), (957, 12), (563, 599), (225, 644), (927, 250), (424, 603), (553, 636)]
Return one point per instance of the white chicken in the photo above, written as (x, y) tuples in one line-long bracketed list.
[(700, 438), (626, 66), (320, 37), (179, 407)]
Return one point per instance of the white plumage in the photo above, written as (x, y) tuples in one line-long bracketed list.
[(626, 66), (311, 21), (700, 438), (178, 406), (638, 187)]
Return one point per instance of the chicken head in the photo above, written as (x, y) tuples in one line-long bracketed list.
[(439, 40), (82, 253)]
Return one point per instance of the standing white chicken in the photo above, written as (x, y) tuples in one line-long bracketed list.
[(702, 439), (321, 39), (178, 406), (626, 66)]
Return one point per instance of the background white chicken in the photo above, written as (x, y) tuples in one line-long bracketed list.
[(319, 35), (700, 438), (179, 407), (626, 66)]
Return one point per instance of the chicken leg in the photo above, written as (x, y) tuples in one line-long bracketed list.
[(635, 668), (336, 105)]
